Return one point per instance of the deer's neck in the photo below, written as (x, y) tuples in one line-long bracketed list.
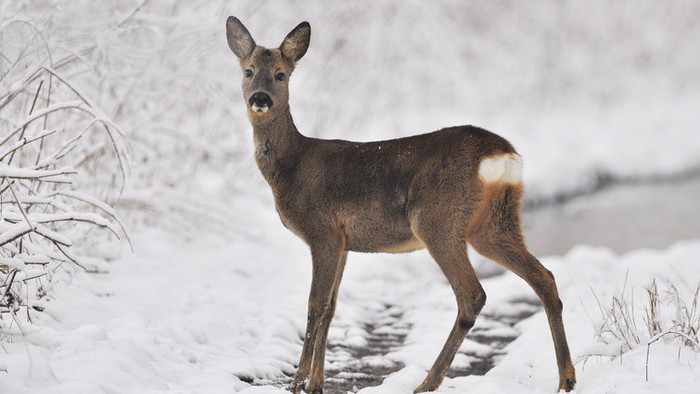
[(278, 145)]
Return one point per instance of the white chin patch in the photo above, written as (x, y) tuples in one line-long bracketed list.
[(260, 110)]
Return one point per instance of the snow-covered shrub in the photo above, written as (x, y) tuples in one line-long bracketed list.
[(159, 69), (670, 313), (61, 157)]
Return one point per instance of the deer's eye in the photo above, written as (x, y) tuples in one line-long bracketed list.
[(279, 77), (248, 73)]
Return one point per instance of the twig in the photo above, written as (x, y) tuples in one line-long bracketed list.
[(687, 338), (70, 256), (76, 104), (24, 142), (65, 149), (101, 206), (134, 12), (19, 203), (25, 280), (37, 31), (21, 173), (31, 110), (9, 285), (14, 233)]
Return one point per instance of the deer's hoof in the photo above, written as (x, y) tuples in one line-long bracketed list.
[(425, 387), (567, 384), (295, 387)]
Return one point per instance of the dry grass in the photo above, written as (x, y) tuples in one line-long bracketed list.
[(665, 312)]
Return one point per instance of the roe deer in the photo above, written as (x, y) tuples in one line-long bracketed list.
[(438, 191)]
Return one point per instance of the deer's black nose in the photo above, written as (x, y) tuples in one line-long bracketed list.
[(260, 102)]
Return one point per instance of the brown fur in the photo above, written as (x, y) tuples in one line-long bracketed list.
[(389, 196)]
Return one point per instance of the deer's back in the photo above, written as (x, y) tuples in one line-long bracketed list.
[(367, 191)]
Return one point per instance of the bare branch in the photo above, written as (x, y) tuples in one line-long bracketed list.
[(99, 205), (19, 203), (21, 173), (24, 142), (687, 338), (76, 104)]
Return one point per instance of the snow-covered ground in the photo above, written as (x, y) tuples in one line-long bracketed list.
[(211, 315), (213, 299)]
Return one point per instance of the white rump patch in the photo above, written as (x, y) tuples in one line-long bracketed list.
[(505, 168)]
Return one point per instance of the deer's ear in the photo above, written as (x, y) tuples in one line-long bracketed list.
[(296, 43), (239, 40)]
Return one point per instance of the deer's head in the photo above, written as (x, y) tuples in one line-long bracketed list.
[(266, 71)]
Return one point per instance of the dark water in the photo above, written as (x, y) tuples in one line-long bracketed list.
[(622, 217)]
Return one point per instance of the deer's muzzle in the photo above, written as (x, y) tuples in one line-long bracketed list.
[(260, 102)]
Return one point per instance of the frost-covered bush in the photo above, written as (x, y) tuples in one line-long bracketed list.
[(669, 312), (61, 158), (149, 65)]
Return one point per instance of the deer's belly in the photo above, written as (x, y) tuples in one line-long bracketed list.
[(384, 244), (370, 233), (404, 247)]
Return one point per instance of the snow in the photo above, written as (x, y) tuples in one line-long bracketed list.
[(213, 300), (198, 315)]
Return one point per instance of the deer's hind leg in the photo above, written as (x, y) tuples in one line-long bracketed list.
[(496, 234), (449, 250)]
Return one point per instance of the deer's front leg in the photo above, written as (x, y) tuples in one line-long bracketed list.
[(328, 263), (306, 354)]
